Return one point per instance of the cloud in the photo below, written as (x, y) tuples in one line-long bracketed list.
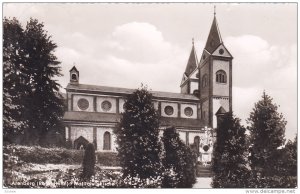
[(140, 42), (134, 53), (259, 66)]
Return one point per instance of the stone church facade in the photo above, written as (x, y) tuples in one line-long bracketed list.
[(206, 91)]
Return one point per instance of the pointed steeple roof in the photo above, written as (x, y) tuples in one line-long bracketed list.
[(214, 38), (221, 111), (192, 62), (73, 69)]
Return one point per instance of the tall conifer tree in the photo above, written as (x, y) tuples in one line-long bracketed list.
[(137, 136), (45, 108), (14, 79), (229, 156), (32, 103), (267, 128)]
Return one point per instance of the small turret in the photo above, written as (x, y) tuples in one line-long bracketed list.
[(74, 75)]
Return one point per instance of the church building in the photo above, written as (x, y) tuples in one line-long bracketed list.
[(206, 92)]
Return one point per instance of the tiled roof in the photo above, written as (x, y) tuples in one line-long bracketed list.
[(181, 122), (91, 117), (117, 90), (114, 118)]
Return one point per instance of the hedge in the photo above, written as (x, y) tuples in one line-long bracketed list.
[(41, 155)]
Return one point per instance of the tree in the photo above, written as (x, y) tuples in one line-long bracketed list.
[(88, 162), (137, 136), (14, 80), (32, 103), (45, 107), (267, 128), (289, 159), (229, 156), (179, 161)]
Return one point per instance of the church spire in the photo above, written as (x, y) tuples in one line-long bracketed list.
[(192, 62), (214, 38)]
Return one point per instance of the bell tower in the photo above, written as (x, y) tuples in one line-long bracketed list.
[(74, 75), (215, 80)]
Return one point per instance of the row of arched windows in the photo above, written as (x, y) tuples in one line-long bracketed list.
[(221, 77)]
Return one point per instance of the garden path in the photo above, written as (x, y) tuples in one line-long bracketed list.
[(202, 182)]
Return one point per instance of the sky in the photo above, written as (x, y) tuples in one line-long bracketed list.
[(124, 45)]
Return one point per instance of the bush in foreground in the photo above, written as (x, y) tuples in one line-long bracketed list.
[(179, 161), (40, 155), (229, 165), (88, 162), (137, 137)]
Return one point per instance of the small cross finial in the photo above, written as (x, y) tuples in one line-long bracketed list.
[(214, 10), (193, 41)]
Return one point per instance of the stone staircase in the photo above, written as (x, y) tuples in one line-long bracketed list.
[(203, 171)]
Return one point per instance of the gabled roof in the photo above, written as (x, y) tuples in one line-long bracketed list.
[(214, 38), (221, 111), (73, 69), (192, 62), (222, 51), (124, 91)]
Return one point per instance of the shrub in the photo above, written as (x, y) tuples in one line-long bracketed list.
[(107, 159), (88, 162), (179, 161), (229, 165), (40, 155), (255, 181)]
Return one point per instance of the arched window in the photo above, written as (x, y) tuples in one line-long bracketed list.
[(74, 77), (204, 81), (106, 141), (221, 77), (197, 142)]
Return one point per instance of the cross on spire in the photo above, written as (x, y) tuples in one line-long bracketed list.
[(214, 10)]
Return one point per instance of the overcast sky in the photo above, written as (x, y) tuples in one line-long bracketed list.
[(124, 45)]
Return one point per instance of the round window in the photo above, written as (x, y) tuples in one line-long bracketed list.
[(206, 148), (83, 104), (221, 51), (106, 105), (169, 110), (188, 111)]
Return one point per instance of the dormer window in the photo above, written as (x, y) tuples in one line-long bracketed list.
[(221, 77)]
